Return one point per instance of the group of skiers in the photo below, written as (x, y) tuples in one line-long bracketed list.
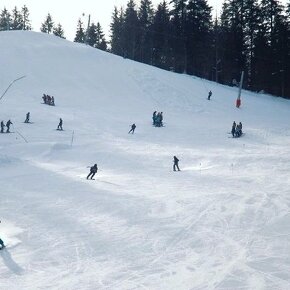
[(48, 100), (237, 130), (8, 124), (157, 119)]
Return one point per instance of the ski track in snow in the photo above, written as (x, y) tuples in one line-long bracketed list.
[(221, 223)]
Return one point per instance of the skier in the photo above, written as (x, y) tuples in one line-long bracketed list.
[(8, 126), (1, 243), (154, 117), (239, 132), (209, 95), (59, 127), (52, 101), (133, 127), (93, 171), (175, 163), (234, 128), (2, 127), (27, 118)]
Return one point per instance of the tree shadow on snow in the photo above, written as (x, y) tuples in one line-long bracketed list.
[(10, 263)]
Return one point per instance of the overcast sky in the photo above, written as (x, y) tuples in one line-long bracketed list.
[(67, 12)]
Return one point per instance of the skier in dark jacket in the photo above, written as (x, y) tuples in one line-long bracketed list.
[(27, 118), (2, 127), (154, 117), (59, 127), (93, 171), (133, 127), (1, 243), (234, 128), (8, 126), (209, 95), (175, 163)]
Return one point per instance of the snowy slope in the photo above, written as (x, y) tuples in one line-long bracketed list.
[(220, 223)]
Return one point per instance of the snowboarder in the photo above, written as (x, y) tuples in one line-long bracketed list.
[(8, 126), (175, 163), (209, 95), (133, 127), (2, 127), (1, 243), (234, 128), (93, 171), (27, 118), (59, 127)]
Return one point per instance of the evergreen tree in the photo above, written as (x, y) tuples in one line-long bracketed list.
[(100, 38), (161, 54), (58, 31), (17, 20), (92, 35), (47, 25), (144, 40), (198, 38), (80, 33), (26, 25), (117, 32), (5, 20), (131, 30)]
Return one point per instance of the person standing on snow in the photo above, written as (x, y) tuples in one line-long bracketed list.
[(133, 127), (234, 128), (209, 95), (27, 118), (8, 126), (59, 127), (93, 171), (2, 127), (175, 163)]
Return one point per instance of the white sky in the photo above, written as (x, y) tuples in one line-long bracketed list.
[(67, 12)]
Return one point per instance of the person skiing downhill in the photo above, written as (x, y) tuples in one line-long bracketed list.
[(133, 127), (8, 126), (175, 163), (93, 171), (27, 118), (1, 243), (59, 127), (209, 95)]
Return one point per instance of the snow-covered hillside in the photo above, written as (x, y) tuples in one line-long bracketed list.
[(223, 222)]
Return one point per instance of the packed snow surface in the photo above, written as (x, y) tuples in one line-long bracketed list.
[(223, 222)]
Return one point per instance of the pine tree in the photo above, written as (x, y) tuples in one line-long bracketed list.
[(117, 32), (144, 39), (160, 51), (92, 35), (100, 38), (58, 31), (47, 25), (131, 30), (17, 20), (26, 25), (80, 33), (5, 20)]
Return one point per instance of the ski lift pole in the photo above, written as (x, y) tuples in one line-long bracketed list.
[(238, 102)]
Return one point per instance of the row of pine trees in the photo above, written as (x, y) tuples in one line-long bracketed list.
[(185, 36)]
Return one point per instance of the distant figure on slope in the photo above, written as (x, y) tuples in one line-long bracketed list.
[(27, 118), (8, 126), (234, 128), (93, 171), (52, 101), (2, 127), (59, 127), (209, 95), (175, 163), (239, 131), (1, 243), (154, 117), (133, 127)]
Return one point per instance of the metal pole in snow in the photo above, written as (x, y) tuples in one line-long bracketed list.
[(10, 86), (238, 102)]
